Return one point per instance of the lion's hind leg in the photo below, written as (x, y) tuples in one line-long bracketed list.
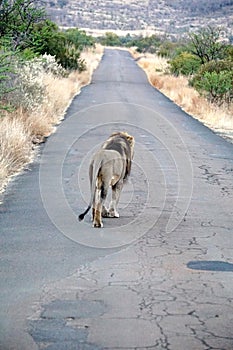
[(100, 210), (97, 217), (116, 191)]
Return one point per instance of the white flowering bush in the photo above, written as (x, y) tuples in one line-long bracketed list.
[(30, 89), (29, 93), (49, 65)]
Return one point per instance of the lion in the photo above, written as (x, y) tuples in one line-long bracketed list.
[(109, 167)]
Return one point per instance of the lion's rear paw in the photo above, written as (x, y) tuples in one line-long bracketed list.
[(113, 214), (98, 224), (105, 213)]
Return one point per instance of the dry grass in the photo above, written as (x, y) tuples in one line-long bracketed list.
[(15, 148), (219, 119), (20, 131)]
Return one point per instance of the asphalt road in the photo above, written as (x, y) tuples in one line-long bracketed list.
[(181, 192)]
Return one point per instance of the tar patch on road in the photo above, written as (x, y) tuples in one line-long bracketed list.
[(53, 332), (220, 266)]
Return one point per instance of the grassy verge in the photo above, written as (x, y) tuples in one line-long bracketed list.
[(178, 90), (22, 130)]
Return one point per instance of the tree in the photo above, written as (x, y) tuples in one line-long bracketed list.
[(17, 21), (25, 29), (79, 38), (206, 44), (44, 37)]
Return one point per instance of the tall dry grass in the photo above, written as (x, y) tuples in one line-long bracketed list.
[(15, 148), (21, 131), (219, 119)]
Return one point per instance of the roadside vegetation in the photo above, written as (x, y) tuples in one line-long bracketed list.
[(41, 69), (195, 72)]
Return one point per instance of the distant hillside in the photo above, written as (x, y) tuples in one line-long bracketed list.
[(170, 16)]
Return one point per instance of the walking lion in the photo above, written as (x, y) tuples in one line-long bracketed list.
[(110, 167)]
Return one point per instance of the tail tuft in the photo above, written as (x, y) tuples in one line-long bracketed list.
[(81, 216)]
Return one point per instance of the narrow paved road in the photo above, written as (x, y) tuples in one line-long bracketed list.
[(162, 271)]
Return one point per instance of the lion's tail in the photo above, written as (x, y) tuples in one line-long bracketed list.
[(93, 176), (81, 216)]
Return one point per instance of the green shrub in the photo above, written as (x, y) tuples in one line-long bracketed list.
[(27, 54), (147, 44), (71, 59), (169, 49), (229, 53), (110, 39), (216, 86), (215, 81), (185, 63), (60, 46), (79, 38), (215, 66)]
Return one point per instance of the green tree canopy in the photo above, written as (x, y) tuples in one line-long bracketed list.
[(206, 44), (110, 39), (79, 38), (17, 21), (147, 44)]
